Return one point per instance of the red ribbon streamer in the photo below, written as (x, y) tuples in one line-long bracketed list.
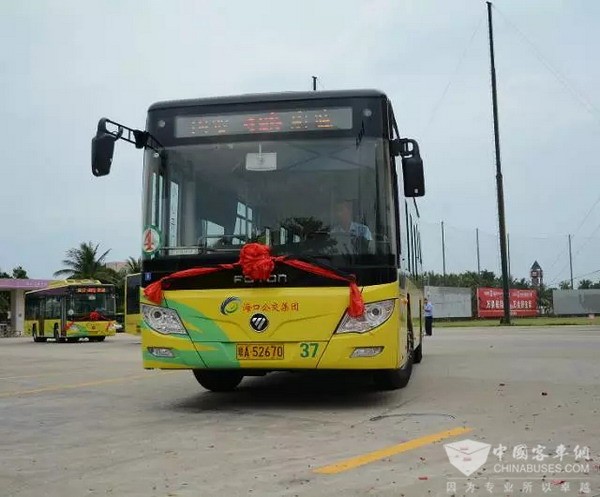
[(257, 263)]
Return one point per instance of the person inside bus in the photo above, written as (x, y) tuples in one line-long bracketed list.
[(359, 234)]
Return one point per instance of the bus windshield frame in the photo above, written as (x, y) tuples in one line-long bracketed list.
[(317, 171)]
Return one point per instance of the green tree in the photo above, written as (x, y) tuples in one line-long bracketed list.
[(521, 284), (19, 273), (585, 284), (588, 285), (133, 265), (4, 304), (84, 262), (564, 285)]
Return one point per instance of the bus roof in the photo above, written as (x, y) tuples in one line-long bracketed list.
[(57, 287), (267, 97)]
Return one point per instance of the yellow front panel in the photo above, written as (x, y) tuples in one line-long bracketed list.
[(90, 328), (132, 324), (303, 320)]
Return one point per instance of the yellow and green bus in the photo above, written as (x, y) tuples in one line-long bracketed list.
[(69, 310), (132, 304), (280, 234)]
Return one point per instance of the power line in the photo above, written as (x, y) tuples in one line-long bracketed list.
[(587, 240), (577, 94), (585, 218), (586, 274), (452, 76)]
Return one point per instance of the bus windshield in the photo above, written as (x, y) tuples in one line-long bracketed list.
[(81, 305), (323, 196)]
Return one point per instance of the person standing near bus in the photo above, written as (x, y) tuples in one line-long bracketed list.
[(428, 308)]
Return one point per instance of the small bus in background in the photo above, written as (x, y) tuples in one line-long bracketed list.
[(69, 310)]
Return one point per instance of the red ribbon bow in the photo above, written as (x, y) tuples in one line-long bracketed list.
[(257, 263)]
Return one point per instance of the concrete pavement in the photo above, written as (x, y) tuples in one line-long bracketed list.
[(85, 420)]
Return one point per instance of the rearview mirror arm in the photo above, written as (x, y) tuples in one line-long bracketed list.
[(139, 138), (404, 147)]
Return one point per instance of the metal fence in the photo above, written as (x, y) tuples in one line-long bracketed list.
[(450, 302), (576, 302)]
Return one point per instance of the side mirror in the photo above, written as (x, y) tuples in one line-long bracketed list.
[(413, 176), (412, 167), (103, 147)]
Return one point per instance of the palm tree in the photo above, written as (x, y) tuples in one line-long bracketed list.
[(84, 263), (133, 266)]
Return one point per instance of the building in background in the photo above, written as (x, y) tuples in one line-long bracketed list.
[(449, 302), (17, 289), (537, 275), (116, 265), (576, 302)]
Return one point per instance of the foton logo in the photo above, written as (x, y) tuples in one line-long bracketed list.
[(274, 278)]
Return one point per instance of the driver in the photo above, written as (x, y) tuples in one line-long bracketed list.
[(359, 233)]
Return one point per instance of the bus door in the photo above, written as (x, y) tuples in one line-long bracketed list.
[(39, 308), (63, 316)]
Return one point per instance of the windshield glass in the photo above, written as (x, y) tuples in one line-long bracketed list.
[(328, 197), (80, 305)]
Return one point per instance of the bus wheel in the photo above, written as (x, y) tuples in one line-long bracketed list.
[(393, 379), (56, 333), (418, 353), (35, 337), (418, 357), (218, 381), (96, 339), (72, 339)]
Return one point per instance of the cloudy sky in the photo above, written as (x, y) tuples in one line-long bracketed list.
[(64, 64)]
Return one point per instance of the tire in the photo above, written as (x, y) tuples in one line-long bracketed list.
[(72, 339), (218, 381), (57, 337), (393, 379), (418, 354), (96, 339), (36, 338)]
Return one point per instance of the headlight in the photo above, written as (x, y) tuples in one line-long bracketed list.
[(163, 320), (376, 313)]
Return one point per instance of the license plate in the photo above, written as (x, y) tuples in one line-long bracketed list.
[(257, 351)]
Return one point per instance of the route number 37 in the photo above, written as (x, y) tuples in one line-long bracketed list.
[(308, 349)]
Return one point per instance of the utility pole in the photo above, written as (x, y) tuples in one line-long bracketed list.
[(443, 254), (314, 78), (571, 262), (499, 180), (508, 256), (478, 259)]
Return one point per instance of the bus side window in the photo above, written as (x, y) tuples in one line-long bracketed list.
[(408, 254), (395, 187), (174, 208), (52, 308)]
